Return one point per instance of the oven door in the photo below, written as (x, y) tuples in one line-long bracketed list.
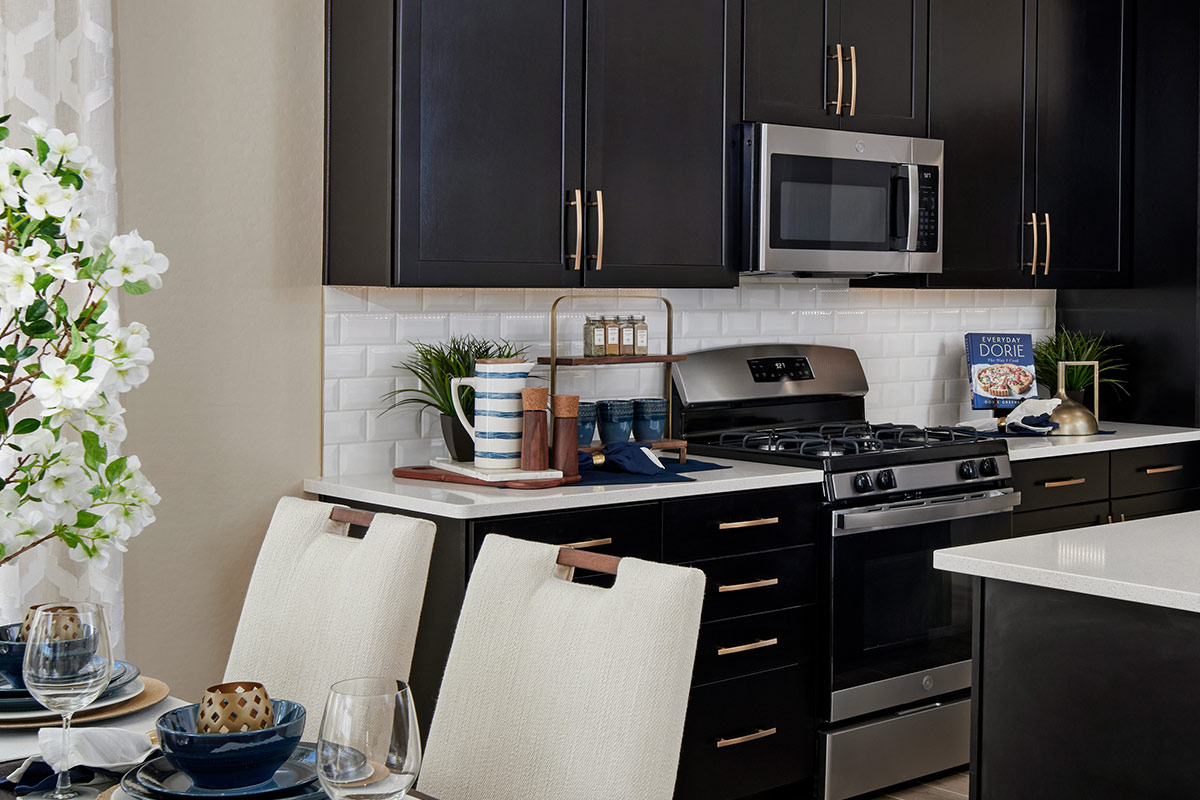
[(900, 630)]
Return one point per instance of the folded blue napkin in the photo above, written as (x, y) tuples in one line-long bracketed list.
[(633, 457), (1039, 425), (40, 777)]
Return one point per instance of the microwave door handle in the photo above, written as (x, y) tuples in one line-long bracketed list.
[(914, 206), (861, 521)]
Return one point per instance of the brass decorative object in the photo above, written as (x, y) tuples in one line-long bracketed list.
[(69, 627), (235, 707), (1073, 418)]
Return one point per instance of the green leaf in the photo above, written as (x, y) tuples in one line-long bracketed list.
[(3, 421), (42, 281), (94, 453), (7, 399), (37, 309), (115, 470), (7, 368), (3, 133), (136, 287), (39, 329), (28, 425), (43, 149), (60, 308), (71, 177), (10, 352), (25, 352), (86, 519)]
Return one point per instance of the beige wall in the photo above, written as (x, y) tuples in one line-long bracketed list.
[(219, 158)]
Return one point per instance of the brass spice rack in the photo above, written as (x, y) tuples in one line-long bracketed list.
[(555, 361)]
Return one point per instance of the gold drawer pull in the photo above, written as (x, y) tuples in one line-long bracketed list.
[(589, 543), (738, 587), (741, 648), (1158, 470), (1069, 482), (748, 523), (749, 737)]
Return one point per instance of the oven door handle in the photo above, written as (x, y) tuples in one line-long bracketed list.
[(849, 522)]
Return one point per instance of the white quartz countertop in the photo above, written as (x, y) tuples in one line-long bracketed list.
[(1127, 435), (1154, 561), (459, 501)]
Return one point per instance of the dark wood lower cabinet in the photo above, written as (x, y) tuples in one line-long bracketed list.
[(1155, 505), (1027, 523)]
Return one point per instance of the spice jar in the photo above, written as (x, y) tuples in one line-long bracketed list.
[(612, 336), (641, 335), (626, 325), (593, 337)]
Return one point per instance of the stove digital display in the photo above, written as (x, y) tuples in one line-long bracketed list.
[(774, 370)]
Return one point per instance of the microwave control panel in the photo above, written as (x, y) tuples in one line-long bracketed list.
[(927, 218), (774, 370)]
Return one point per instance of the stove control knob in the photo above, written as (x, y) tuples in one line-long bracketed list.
[(863, 483), (886, 480), (967, 471), (988, 468)]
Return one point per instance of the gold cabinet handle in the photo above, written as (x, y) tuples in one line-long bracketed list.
[(1160, 470), (588, 543), (741, 587), (1110, 519), (599, 206), (578, 203), (1046, 264), (1122, 518), (742, 648), (748, 523), (1057, 484), (749, 737), (853, 81), (1033, 263), (837, 56)]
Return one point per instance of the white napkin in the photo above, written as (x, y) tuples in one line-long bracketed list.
[(110, 749), (1032, 409)]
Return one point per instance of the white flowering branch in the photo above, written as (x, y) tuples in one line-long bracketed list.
[(63, 360)]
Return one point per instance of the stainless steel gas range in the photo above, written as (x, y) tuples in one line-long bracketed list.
[(894, 698)]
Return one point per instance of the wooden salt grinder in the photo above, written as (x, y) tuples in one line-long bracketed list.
[(566, 434), (535, 448)]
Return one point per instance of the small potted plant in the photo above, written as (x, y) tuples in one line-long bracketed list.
[(1068, 345), (434, 365)]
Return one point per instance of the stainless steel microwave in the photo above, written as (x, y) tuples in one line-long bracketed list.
[(830, 201)]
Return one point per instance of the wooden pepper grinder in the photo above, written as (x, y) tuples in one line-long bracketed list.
[(535, 449), (566, 434)]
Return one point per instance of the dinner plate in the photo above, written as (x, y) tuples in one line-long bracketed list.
[(158, 779), (12, 699), (126, 692)]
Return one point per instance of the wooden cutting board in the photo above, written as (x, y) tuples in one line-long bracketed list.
[(426, 473)]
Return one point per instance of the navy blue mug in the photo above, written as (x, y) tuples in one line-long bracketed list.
[(649, 418), (615, 420), (587, 423)]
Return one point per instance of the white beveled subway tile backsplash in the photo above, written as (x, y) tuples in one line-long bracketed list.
[(910, 342)]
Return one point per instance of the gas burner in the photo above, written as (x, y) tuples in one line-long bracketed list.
[(768, 440)]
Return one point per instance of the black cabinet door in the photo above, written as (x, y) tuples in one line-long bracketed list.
[(659, 138), (789, 77), (1082, 141), (887, 74), (977, 106), (490, 130)]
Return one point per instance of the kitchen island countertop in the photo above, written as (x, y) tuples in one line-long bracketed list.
[(1151, 561), (460, 501)]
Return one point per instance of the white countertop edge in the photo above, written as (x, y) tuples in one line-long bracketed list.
[(1127, 436), (477, 502), (1068, 582)]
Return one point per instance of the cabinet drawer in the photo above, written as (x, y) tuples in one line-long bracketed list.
[(754, 643), (1062, 481), (747, 735), (1155, 505), (732, 524), (748, 584), (1028, 523), (1164, 468)]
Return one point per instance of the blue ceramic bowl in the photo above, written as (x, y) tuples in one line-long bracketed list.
[(615, 420), (230, 760), (587, 423), (12, 655), (649, 418)]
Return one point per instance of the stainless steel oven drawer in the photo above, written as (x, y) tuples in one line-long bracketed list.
[(895, 748)]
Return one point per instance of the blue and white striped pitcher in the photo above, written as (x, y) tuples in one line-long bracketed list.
[(498, 413)]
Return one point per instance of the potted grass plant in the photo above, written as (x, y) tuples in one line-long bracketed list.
[(1068, 345), (433, 365)]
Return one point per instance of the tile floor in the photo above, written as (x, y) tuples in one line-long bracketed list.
[(947, 787)]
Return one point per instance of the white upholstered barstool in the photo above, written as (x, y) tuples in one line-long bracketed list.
[(323, 606), (564, 691)]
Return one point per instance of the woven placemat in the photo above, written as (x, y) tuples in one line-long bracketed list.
[(155, 692), (109, 792)]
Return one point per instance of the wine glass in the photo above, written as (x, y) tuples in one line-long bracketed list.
[(369, 747), (68, 663)]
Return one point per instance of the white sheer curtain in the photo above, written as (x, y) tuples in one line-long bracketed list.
[(56, 62)]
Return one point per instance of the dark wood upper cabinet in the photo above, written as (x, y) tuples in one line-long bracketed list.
[(659, 137), (457, 130), (792, 73)]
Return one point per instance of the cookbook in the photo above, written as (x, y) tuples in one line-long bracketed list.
[(1000, 369)]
